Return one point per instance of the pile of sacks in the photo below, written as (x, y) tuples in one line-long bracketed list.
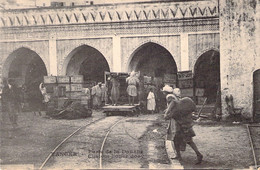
[(71, 110)]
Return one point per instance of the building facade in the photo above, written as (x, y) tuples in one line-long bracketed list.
[(152, 37)]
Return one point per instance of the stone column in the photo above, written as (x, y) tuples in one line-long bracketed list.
[(53, 57), (117, 66), (239, 51), (184, 52)]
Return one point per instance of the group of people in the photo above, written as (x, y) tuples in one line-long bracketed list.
[(10, 101), (179, 113), (135, 89), (13, 100), (98, 95), (154, 97)]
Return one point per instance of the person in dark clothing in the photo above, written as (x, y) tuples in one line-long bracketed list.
[(160, 100), (181, 110), (10, 101)]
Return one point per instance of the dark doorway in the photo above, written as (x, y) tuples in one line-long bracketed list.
[(89, 62), (256, 104), (207, 75), (27, 69), (153, 60)]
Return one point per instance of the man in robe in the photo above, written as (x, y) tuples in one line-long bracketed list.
[(132, 82), (96, 93)]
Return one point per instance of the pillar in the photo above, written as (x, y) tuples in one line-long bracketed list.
[(184, 52), (117, 66), (53, 57)]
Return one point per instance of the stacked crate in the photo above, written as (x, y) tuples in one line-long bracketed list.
[(185, 82), (52, 90), (200, 90), (170, 79), (76, 85), (63, 88), (200, 95)]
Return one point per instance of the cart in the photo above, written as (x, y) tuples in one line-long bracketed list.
[(123, 107)]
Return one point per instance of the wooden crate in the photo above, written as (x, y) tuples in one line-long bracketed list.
[(63, 79), (67, 86), (188, 83), (183, 75), (74, 95), (170, 78), (199, 92), (187, 92), (76, 79), (49, 79), (50, 88), (75, 87)]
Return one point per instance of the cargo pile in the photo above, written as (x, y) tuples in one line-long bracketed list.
[(185, 82), (66, 95)]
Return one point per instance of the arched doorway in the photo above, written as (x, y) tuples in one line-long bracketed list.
[(26, 68), (207, 75), (89, 62), (153, 60), (256, 103)]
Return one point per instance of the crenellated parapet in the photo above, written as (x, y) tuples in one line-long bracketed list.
[(109, 13)]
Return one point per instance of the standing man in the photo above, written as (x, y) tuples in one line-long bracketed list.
[(85, 98), (132, 82), (10, 101), (115, 90), (96, 93), (181, 109), (46, 97)]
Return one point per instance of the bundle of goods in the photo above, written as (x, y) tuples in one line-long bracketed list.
[(72, 110)]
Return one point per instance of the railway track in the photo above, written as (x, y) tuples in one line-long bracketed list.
[(100, 151), (254, 137)]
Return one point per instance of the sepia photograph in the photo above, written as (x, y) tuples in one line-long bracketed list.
[(129, 84)]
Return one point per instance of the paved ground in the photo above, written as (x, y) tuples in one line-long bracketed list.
[(223, 145), (35, 137)]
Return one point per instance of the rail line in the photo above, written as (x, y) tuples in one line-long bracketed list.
[(102, 146), (73, 133), (104, 141), (254, 138)]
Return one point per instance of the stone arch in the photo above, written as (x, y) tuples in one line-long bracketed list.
[(154, 62), (12, 56), (84, 55), (142, 44), (7, 58), (200, 54), (26, 68), (69, 48), (207, 75)]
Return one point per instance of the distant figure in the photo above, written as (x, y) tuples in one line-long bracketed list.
[(132, 82), (10, 101), (151, 101), (115, 91), (160, 100), (103, 94), (85, 97), (45, 95), (23, 100), (96, 95)]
